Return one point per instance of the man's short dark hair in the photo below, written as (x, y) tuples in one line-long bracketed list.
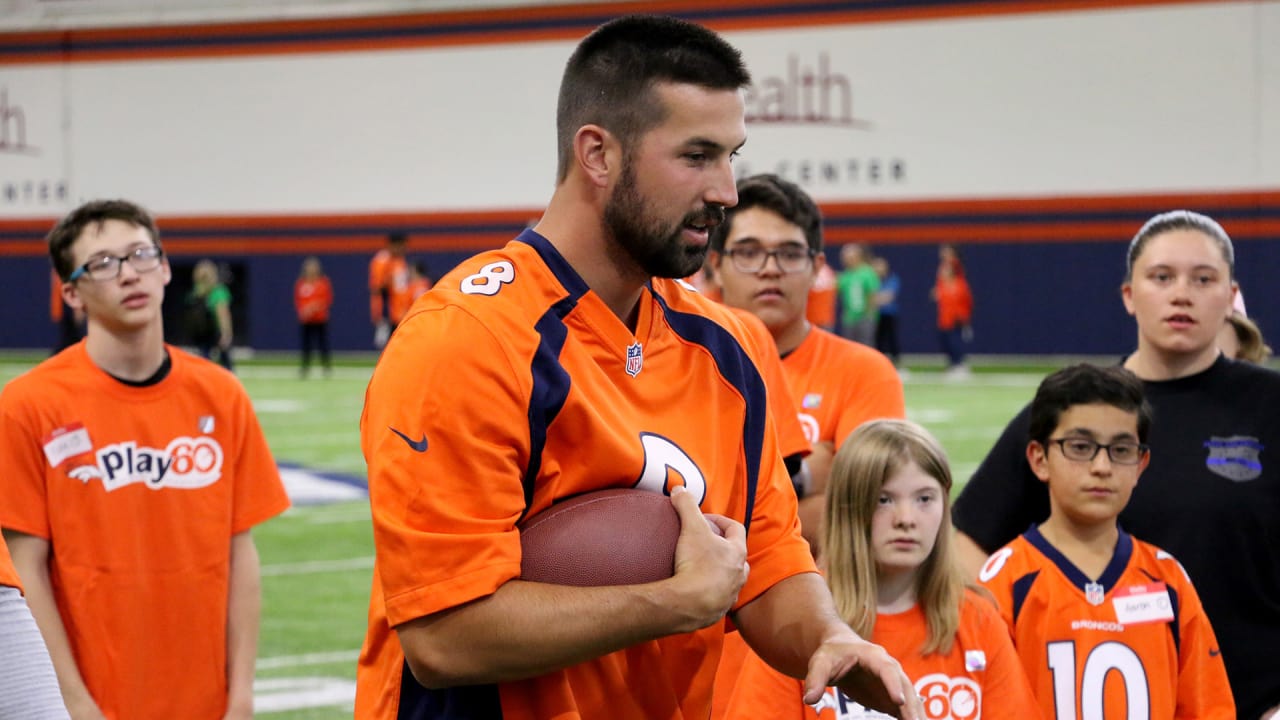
[(610, 77), (96, 212), (779, 196), (1086, 384)]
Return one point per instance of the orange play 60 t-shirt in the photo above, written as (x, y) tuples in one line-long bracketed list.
[(138, 490), (510, 386)]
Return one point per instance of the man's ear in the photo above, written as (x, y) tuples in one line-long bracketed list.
[(1038, 459), (597, 154)]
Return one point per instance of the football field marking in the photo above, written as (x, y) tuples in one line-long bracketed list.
[(317, 566)]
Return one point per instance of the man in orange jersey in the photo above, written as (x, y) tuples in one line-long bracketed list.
[(132, 473), (1107, 626), (390, 294), (28, 685), (571, 360), (767, 254)]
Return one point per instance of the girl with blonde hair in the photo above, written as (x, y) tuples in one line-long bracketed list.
[(889, 561)]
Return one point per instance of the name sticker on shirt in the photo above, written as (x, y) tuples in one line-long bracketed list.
[(1139, 604), (66, 442)]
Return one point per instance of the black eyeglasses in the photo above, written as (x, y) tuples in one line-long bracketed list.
[(1125, 452), (107, 267), (751, 259)]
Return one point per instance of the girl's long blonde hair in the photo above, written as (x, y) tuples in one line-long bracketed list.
[(869, 457)]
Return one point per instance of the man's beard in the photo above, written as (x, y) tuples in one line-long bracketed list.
[(656, 248)]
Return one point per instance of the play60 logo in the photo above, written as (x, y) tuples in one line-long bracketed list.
[(186, 464)]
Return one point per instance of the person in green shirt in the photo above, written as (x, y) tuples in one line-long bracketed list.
[(856, 287), (208, 317)]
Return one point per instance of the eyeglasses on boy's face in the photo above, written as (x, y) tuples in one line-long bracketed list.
[(107, 267), (1124, 452), (752, 258)]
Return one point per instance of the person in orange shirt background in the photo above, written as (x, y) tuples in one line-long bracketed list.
[(889, 560), (821, 309), (312, 298), (132, 473), (419, 282), (389, 293), (955, 310)]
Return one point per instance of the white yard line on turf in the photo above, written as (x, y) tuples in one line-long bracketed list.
[(317, 566), (307, 659)]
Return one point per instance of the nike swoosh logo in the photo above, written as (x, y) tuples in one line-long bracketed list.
[(416, 445), (1215, 653)]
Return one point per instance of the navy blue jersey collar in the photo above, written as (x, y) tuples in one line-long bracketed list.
[(564, 272), (1110, 576)]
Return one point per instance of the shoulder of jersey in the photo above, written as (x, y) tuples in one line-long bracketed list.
[(857, 352), (1009, 562), (512, 280), (1165, 565)]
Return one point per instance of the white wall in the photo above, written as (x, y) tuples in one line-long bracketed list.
[(1182, 97)]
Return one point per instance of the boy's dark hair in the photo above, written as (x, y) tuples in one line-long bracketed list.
[(64, 234), (780, 196), (609, 79), (1086, 384)]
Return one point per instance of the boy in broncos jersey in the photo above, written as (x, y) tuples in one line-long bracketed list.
[(1107, 626), (132, 473)]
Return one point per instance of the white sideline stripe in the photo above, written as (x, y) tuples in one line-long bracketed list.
[(305, 659), (317, 566), (285, 694)]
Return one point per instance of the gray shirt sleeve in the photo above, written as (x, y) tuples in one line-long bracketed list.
[(28, 686)]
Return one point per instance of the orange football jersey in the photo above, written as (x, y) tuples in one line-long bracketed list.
[(139, 507), (791, 436), (511, 385), (979, 679), (840, 384), (1132, 645)]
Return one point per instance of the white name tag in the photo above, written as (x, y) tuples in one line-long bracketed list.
[(67, 442), (1139, 604)]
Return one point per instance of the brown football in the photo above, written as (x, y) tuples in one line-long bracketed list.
[(606, 537)]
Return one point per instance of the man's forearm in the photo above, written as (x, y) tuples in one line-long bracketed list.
[(788, 622)]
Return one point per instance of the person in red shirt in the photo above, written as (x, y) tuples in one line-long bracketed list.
[(889, 560), (955, 311), (389, 292), (312, 298), (132, 473), (571, 360), (1107, 626)]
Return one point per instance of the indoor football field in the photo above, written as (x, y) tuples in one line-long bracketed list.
[(317, 558)]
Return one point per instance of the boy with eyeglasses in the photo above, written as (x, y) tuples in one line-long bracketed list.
[(1107, 626), (131, 474), (767, 253)]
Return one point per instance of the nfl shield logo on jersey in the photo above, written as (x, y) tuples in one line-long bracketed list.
[(1094, 593), (635, 359)]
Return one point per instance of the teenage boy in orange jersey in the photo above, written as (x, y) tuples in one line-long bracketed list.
[(28, 685), (132, 473), (767, 254), (1107, 626), (571, 360)]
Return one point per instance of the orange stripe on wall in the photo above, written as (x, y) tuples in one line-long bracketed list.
[(573, 21)]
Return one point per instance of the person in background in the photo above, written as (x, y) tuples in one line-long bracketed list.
[(886, 299), (419, 281), (131, 476), (389, 294), (821, 308), (209, 313), (28, 684), (1212, 491), (1107, 626), (856, 286), (591, 365), (312, 299), (889, 562), (1242, 339), (955, 313)]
